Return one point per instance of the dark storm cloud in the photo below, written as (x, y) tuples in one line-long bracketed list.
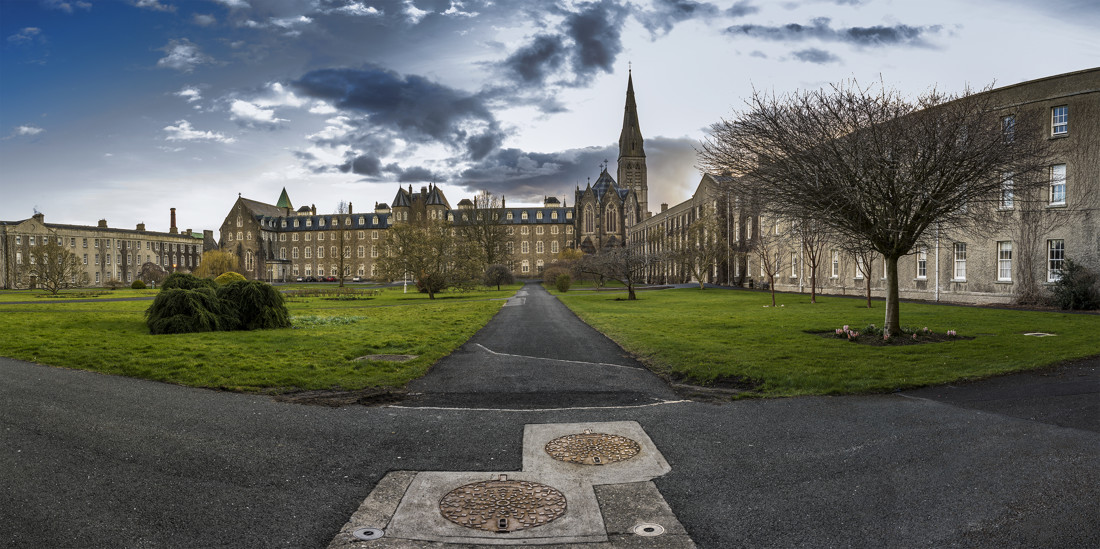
[(667, 13), (814, 55), (417, 174), (363, 165), (418, 109), (741, 9), (533, 63), (596, 33), (820, 29)]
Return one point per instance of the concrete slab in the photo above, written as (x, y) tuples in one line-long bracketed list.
[(625, 506), (647, 465), (418, 516)]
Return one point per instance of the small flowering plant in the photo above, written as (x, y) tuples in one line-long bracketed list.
[(877, 336)]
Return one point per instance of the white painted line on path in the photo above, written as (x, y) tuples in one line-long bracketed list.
[(490, 351), (445, 408)]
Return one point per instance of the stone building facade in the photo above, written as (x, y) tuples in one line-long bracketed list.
[(107, 253), (1030, 238)]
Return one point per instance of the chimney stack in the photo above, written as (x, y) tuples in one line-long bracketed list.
[(349, 208), (172, 228), (102, 224), (141, 226), (664, 206), (39, 217)]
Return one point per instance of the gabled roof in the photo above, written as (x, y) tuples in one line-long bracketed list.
[(259, 208), (402, 199)]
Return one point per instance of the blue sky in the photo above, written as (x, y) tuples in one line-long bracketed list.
[(121, 109)]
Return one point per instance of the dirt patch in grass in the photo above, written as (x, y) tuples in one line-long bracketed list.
[(907, 339), (371, 396), (719, 389)]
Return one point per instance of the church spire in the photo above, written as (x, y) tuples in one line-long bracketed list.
[(632, 173)]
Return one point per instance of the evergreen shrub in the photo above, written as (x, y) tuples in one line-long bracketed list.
[(181, 311), (254, 305), (137, 285), (1076, 288), (228, 277), (563, 282), (185, 281)]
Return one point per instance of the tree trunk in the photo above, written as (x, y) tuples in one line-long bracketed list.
[(892, 325), (868, 279), (813, 284), (630, 292), (771, 288)]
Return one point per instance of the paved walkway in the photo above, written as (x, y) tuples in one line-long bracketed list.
[(535, 353)]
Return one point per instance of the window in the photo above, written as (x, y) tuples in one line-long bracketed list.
[(860, 267), (1059, 120), (374, 235), (19, 258), (238, 221), (525, 230), (1007, 194), (1008, 128), (1056, 257), (523, 215), (524, 247), (589, 220), (282, 253), (539, 247), (525, 266), (85, 259), (309, 253), (320, 252), (308, 236), (360, 235), (374, 251), (538, 215), (539, 230), (86, 243), (553, 215), (361, 252), (960, 261), (309, 223), (539, 265), (794, 265), (294, 253), (1058, 184), (611, 225), (511, 247), (320, 222), (30, 240), (922, 264), (294, 237), (320, 237), (1004, 261), (836, 264)]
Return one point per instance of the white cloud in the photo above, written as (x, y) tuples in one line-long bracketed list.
[(66, 7), (25, 36), (250, 114), (414, 13), (358, 9), (320, 107), (456, 10), (183, 131), (233, 4), (290, 22), (171, 149), (191, 94), (204, 20), (154, 5), (278, 96), (25, 130), (337, 127), (183, 55)]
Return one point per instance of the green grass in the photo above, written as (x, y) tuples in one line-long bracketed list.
[(111, 337), (8, 296), (709, 334)]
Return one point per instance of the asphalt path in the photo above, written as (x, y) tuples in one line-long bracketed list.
[(535, 353), (88, 460)]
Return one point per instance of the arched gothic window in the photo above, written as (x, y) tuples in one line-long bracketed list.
[(589, 219), (610, 225)]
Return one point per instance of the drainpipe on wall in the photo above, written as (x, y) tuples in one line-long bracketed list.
[(937, 262)]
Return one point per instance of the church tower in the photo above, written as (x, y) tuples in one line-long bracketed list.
[(632, 170)]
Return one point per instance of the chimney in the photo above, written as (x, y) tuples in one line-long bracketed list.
[(664, 206), (424, 191), (39, 217), (349, 208), (141, 226), (172, 228), (313, 209), (187, 232), (102, 224)]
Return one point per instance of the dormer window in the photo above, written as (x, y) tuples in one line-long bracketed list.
[(538, 215), (309, 223), (283, 223), (320, 222), (295, 222), (523, 215), (553, 215), (374, 220), (362, 220), (509, 216)]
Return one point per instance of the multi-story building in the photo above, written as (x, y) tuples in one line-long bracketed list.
[(107, 253), (1030, 239)]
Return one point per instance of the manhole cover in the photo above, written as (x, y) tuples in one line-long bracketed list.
[(592, 448), (502, 505), (649, 529)]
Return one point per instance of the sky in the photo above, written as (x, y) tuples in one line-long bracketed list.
[(122, 109)]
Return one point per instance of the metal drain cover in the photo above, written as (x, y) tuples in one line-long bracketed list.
[(649, 529), (591, 448), (502, 505), (368, 534)]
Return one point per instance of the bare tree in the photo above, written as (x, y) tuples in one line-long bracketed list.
[(626, 264), (154, 274), (701, 246), (52, 267), (813, 236), (863, 255), (485, 227), (768, 243), (873, 165), (432, 254)]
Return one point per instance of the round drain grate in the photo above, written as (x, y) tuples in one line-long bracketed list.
[(592, 448), (502, 505), (368, 534), (649, 530)]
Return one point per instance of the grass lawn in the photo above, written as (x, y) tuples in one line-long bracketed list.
[(704, 335), (318, 353)]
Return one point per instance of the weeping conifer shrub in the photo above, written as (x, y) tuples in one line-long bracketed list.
[(255, 305), (180, 311), (185, 281), (227, 277)]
